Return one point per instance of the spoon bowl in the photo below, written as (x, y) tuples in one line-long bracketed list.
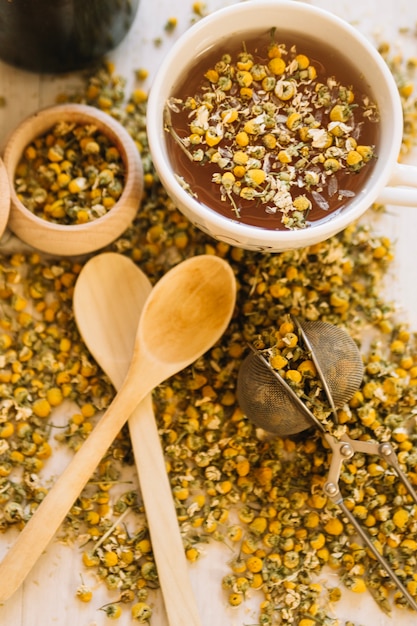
[(194, 298), (208, 316), (117, 291)]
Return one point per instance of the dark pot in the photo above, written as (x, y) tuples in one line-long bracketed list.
[(62, 35)]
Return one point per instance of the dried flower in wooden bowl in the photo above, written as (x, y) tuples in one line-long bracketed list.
[(76, 179)]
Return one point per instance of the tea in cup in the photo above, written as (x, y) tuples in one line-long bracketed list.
[(274, 124)]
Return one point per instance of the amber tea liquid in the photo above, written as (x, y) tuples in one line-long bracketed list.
[(336, 188)]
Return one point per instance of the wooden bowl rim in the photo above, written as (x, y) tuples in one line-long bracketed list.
[(4, 197), (37, 124)]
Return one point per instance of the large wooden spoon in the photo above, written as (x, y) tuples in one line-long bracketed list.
[(186, 313), (110, 337)]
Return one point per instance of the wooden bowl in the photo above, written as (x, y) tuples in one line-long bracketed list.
[(4, 198), (66, 240)]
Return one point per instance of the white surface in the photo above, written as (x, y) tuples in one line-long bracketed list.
[(47, 596)]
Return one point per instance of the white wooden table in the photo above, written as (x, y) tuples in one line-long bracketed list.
[(47, 596)]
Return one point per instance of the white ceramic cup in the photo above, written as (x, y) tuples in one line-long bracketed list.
[(389, 182)]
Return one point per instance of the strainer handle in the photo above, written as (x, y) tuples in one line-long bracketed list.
[(386, 451), (346, 447), (375, 552), (343, 450)]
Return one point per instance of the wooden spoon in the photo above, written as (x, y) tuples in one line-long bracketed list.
[(110, 338), (186, 313)]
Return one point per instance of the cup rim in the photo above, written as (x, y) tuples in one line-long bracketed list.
[(205, 33)]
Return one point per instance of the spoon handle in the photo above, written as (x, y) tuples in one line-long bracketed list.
[(160, 511), (42, 526)]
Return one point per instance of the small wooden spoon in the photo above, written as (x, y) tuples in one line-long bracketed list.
[(108, 292), (186, 313)]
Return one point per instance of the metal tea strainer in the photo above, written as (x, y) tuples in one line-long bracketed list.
[(270, 403), (275, 407)]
